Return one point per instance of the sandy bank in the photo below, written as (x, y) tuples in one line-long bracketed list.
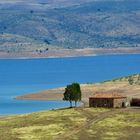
[(87, 91), (58, 53)]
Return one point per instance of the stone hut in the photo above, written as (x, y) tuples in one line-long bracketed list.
[(135, 102), (109, 100)]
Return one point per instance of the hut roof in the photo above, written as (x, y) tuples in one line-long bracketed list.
[(107, 95)]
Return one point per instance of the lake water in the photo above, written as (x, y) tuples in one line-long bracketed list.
[(18, 77)]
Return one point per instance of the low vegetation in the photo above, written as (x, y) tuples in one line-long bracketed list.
[(19, 43), (131, 79), (43, 125), (119, 126), (73, 124), (100, 24)]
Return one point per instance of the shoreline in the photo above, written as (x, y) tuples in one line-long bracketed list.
[(68, 53), (88, 90), (3, 116), (55, 94)]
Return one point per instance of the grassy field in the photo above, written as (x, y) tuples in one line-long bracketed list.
[(73, 124)]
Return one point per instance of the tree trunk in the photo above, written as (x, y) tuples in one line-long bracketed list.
[(70, 104), (75, 103)]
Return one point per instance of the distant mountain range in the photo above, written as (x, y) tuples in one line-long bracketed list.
[(40, 24)]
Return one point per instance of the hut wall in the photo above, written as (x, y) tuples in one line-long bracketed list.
[(135, 102), (118, 103), (101, 102)]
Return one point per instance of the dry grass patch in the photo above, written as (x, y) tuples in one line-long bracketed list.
[(119, 126), (44, 125)]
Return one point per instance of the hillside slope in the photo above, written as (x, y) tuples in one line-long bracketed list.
[(70, 24), (73, 124)]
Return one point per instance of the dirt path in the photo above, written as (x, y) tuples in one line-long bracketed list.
[(91, 119)]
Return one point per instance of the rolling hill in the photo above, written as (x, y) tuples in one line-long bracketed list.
[(69, 24), (71, 124)]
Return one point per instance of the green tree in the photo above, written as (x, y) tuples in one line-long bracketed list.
[(130, 80), (68, 95), (138, 80), (72, 93)]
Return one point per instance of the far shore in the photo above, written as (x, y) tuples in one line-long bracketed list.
[(61, 53)]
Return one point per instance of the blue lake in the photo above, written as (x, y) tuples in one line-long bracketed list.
[(18, 77)]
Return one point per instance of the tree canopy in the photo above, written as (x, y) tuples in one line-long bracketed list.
[(131, 80), (72, 93)]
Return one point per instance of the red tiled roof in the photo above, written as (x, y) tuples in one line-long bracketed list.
[(107, 95)]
